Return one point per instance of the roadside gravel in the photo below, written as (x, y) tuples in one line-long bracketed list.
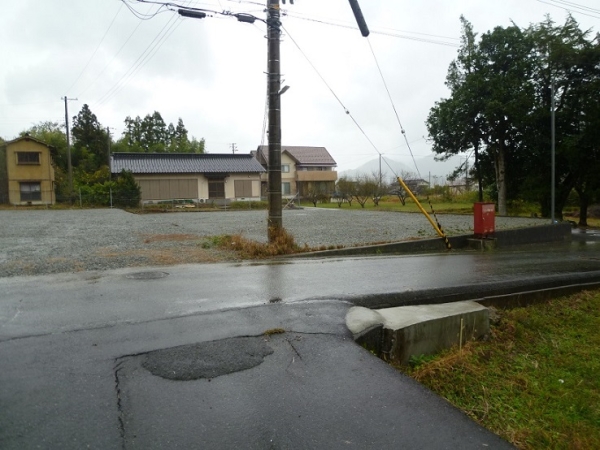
[(36, 242)]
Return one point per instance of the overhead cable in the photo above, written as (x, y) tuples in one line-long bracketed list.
[(96, 50), (393, 106)]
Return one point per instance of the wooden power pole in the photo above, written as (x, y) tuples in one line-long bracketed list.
[(275, 220)]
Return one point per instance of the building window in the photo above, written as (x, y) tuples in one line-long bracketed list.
[(243, 188), (31, 192), (28, 157), (216, 189), (286, 189), (285, 168)]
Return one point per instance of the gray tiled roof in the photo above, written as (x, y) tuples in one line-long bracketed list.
[(304, 156), (139, 163)]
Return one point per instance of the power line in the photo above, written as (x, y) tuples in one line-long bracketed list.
[(143, 59), (385, 33), (96, 50), (140, 15), (332, 91), (393, 106), (111, 61), (576, 5), (569, 10)]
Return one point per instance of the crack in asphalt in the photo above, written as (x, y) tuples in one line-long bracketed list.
[(120, 410)]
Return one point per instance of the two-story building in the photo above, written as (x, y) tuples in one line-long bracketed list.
[(304, 170), (27, 173)]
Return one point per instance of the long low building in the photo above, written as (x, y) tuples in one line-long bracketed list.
[(206, 177)]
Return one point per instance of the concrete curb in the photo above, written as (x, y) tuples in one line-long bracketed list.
[(515, 292), (397, 334), (505, 238)]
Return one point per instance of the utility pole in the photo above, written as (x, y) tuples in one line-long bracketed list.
[(69, 165), (108, 153), (233, 148), (275, 220), (553, 153), (467, 174)]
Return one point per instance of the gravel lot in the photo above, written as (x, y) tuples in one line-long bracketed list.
[(53, 241)]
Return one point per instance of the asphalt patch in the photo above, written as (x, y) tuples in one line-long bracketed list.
[(207, 359)]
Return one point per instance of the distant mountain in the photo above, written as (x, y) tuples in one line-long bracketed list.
[(372, 168), (428, 167)]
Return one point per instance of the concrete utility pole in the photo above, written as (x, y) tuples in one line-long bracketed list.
[(69, 165), (108, 153), (275, 221), (233, 148)]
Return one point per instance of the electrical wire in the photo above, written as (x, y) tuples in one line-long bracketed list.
[(95, 51), (111, 61), (385, 33), (569, 10), (140, 15), (170, 5), (578, 6), (332, 92), (143, 59), (393, 106)]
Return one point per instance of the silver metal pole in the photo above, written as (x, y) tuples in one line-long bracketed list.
[(553, 152)]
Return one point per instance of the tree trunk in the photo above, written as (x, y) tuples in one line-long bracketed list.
[(500, 166), (478, 171)]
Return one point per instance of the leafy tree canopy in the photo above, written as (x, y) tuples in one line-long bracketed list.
[(152, 135), (500, 109)]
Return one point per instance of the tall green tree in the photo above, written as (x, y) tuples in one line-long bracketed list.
[(490, 94), (90, 141), (500, 107), (568, 63), (152, 135), (455, 124)]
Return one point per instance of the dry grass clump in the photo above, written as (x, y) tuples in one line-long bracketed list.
[(282, 244)]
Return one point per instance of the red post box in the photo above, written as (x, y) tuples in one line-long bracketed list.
[(485, 219)]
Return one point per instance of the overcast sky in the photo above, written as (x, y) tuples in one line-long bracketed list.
[(211, 72)]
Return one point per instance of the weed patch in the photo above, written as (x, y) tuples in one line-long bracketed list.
[(535, 382), (273, 331), (283, 244)]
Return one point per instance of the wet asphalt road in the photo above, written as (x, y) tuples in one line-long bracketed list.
[(64, 302), (85, 358)]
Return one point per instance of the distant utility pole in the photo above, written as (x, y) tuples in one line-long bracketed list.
[(108, 152), (552, 153), (69, 165), (234, 148), (275, 220)]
